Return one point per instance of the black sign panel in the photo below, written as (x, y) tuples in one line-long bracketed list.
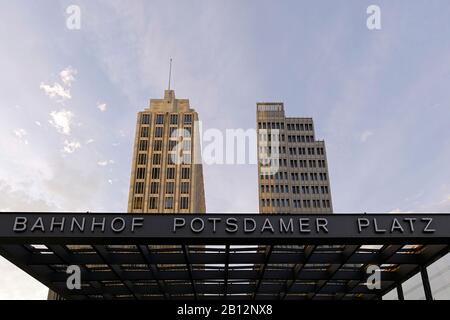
[(220, 228)]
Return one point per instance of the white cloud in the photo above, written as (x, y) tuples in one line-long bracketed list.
[(89, 141), (21, 134), (110, 181), (441, 204), (105, 162), (56, 90), (71, 146), (62, 121), (61, 91), (68, 75), (365, 135), (38, 123), (101, 107)]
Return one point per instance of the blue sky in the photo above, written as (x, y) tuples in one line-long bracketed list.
[(380, 99)]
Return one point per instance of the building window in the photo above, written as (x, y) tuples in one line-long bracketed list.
[(144, 132), (188, 118), (159, 119), (157, 145), (156, 158), (168, 204), (185, 173), (140, 173), (155, 173), (187, 158), (143, 145), (187, 132), (186, 145), (184, 203), (173, 133), (142, 158), (154, 187), (158, 132), (137, 203), (170, 173), (173, 119), (172, 158), (173, 145), (145, 119), (139, 188), (170, 186), (153, 203), (185, 187)]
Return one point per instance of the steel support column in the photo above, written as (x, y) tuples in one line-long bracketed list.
[(426, 283)]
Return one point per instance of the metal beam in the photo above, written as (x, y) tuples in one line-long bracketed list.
[(308, 252), (189, 268), (400, 295), (103, 253), (347, 252), (145, 252), (268, 252), (227, 264), (426, 283), (62, 253)]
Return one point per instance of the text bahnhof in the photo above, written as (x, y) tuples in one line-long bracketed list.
[(211, 224)]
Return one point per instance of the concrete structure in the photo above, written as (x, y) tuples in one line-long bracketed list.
[(292, 165), (167, 174)]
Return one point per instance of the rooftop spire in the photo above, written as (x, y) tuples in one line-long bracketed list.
[(170, 71)]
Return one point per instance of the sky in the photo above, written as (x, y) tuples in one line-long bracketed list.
[(68, 98)]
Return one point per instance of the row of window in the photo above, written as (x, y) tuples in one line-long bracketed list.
[(290, 126), (157, 145), (153, 202), (265, 188), (267, 150), (307, 163), (160, 118), (172, 158), (300, 126), (271, 125), (170, 173), (155, 188), (291, 138), (268, 136), (297, 163), (295, 203), (300, 138), (303, 176), (306, 151), (174, 132)]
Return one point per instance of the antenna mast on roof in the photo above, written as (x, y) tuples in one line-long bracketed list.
[(170, 71)]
